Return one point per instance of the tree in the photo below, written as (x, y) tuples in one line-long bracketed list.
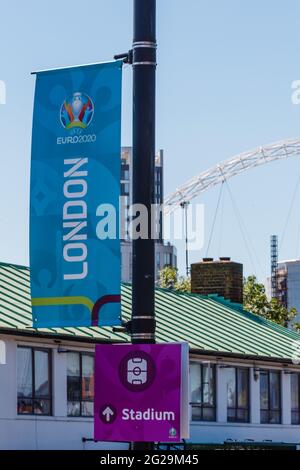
[(256, 301), (169, 279)]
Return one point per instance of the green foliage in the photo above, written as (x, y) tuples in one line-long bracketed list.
[(256, 301), (169, 279), (183, 284)]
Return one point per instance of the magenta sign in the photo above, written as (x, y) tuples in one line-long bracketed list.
[(141, 392)]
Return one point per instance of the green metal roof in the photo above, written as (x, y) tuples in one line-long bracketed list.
[(209, 324)]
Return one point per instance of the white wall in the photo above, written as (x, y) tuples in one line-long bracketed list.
[(220, 431), (61, 432), (37, 432)]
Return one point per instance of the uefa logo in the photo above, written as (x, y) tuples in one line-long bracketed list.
[(77, 111), (172, 432)]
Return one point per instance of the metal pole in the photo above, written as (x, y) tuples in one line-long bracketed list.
[(144, 69), (185, 206), (143, 152), (186, 241)]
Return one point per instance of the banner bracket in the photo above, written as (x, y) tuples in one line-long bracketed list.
[(124, 328), (126, 56)]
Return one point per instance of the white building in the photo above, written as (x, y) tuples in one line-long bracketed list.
[(289, 284), (244, 384)]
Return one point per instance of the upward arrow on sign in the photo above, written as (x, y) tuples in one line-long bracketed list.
[(108, 413)]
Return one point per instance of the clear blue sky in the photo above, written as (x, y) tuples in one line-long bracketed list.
[(223, 86)]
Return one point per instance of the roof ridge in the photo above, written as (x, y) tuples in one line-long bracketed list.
[(229, 303), (254, 316), (178, 292)]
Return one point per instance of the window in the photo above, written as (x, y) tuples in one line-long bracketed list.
[(80, 384), (238, 395), (270, 397), (125, 189), (295, 398), (125, 172), (158, 260), (167, 259), (203, 392), (34, 386), (125, 175)]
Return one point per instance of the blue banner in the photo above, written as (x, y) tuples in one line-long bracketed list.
[(75, 185)]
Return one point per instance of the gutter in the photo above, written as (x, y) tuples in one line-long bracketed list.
[(251, 357), (59, 336)]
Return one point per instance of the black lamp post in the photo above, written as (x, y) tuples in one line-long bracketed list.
[(144, 70), (143, 263)]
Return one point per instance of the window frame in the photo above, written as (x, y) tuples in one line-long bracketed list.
[(33, 396), (81, 400), (269, 410), (237, 408), (201, 406), (296, 410)]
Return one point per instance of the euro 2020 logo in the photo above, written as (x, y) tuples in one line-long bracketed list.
[(77, 111)]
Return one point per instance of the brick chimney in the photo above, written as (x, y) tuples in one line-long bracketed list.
[(223, 277)]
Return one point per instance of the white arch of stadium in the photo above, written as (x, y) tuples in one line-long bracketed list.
[(234, 166)]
